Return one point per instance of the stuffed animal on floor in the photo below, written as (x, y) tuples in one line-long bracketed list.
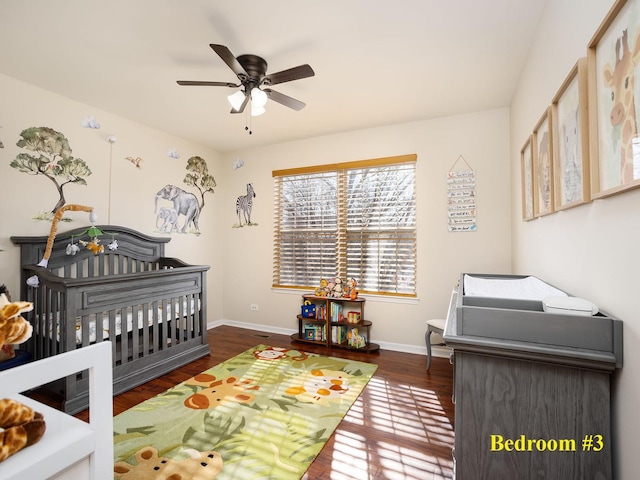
[(20, 427), (199, 466)]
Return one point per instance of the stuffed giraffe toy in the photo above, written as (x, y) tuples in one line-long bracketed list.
[(621, 80), (20, 425), (13, 328)]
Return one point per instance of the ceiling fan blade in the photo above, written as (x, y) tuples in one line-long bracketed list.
[(207, 84), (230, 59), (295, 73), (285, 100), (244, 104)]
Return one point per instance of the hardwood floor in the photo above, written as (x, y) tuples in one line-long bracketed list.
[(400, 428)]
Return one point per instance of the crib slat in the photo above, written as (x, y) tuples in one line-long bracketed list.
[(85, 329), (155, 330), (145, 329), (124, 338), (110, 264), (165, 324), (179, 319), (197, 318), (135, 331), (112, 337), (44, 307)]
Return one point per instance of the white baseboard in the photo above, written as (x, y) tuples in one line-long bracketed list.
[(437, 351)]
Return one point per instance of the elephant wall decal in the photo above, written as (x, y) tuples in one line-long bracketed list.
[(169, 217), (184, 203)]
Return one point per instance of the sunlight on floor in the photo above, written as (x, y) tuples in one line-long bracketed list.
[(379, 408)]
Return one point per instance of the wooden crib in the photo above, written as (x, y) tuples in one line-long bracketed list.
[(152, 308)]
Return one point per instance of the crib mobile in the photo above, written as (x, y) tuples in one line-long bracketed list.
[(92, 232)]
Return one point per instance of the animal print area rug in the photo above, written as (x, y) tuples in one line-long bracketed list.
[(262, 415)]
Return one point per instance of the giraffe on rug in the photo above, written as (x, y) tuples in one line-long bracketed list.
[(621, 80)]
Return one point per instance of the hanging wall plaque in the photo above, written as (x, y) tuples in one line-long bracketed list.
[(461, 198)]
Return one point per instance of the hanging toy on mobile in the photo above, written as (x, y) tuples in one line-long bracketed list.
[(93, 232)]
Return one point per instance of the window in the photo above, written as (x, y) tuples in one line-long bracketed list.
[(354, 219)]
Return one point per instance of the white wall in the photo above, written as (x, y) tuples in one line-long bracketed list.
[(241, 258), (130, 199), (481, 138), (591, 250)]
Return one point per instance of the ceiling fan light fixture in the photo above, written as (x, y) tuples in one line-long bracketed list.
[(256, 111), (251, 72), (258, 98), (236, 99)]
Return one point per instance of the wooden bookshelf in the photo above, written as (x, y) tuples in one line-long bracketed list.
[(333, 326)]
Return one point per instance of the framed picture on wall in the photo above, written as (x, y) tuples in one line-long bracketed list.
[(614, 101), (526, 169), (570, 138), (543, 166)]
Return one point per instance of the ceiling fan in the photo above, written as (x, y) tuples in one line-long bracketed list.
[(251, 71)]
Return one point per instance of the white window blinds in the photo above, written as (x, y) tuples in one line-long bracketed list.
[(354, 219)]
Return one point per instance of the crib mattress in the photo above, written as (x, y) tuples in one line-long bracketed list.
[(99, 323)]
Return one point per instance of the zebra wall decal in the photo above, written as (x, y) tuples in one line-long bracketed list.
[(244, 203)]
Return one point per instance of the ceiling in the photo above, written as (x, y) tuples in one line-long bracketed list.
[(376, 62)]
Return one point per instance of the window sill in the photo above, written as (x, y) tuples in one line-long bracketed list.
[(369, 297)]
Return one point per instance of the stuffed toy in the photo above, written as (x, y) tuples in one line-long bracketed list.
[(7, 352), (337, 288), (321, 291), (20, 425), (13, 328), (351, 291)]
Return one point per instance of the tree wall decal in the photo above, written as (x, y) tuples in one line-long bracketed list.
[(199, 177), (52, 159)]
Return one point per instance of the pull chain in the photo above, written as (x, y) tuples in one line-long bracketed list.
[(248, 116)]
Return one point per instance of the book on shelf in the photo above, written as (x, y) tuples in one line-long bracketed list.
[(338, 334), (314, 332), (337, 312)]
